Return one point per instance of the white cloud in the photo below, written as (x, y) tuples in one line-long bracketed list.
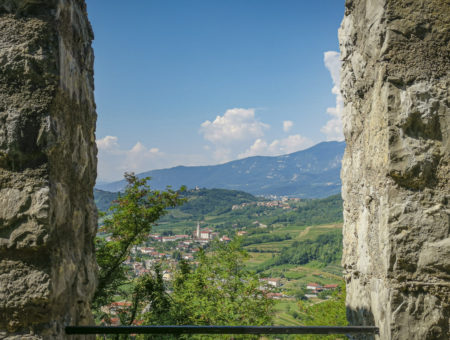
[(258, 148), (239, 134), (293, 143), (333, 64), (333, 128), (113, 160), (277, 147), (232, 132), (287, 125), (107, 143), (235, 125)]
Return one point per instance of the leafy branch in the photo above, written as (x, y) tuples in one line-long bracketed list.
[(131, 218)]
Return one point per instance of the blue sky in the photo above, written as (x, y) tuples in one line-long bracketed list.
[(198, 82)]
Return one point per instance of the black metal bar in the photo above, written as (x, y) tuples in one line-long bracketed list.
[(221, 330)]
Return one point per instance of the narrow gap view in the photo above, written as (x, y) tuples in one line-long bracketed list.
[(239, 169), (255, 235)]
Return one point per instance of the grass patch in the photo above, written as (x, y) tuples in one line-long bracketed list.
[(255, 259), (284, 313)]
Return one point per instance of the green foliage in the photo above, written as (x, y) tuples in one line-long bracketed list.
[(210, 293), (176, 255), (103, 199), (213, 201), (220, 290), (132, 216), (149, 295), (150, 291), (331, 312), (215, 206), (313, 212), (263, 238), (325, 249)]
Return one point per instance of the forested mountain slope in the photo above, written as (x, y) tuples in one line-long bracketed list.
[(310, 173)]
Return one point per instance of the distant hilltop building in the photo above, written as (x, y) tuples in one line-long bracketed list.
[(225, 239), (275, 282), (205, 234), (197, 232), (173, 238)]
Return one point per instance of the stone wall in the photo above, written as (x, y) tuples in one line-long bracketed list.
[(395, 81), (47, 168)]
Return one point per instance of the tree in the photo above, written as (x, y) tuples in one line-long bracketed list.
[(328, 313), (220, 290), (131, 218), (149, 297), (176, 255)]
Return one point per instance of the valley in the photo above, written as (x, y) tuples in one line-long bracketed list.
[(294, 245)]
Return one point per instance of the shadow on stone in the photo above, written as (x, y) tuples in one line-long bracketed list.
[(360, 317)]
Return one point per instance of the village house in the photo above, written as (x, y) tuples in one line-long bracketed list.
[(165, 239), (275, 296), (330, 287), (112, 322), (173, 238), (205, 234), (156, 237), (241, 206), (274, 282), (115, 307), (314, 287), (146, 250), (167, 275)]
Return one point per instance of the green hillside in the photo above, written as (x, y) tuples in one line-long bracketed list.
[(312, 211), (213, 201), (295, 241), (230, 209), (103, 199)]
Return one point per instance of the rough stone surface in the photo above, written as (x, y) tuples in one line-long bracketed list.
[(47, 168), (395, 81)]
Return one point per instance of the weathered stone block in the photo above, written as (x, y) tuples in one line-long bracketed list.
[(395, 81), (47, 168)]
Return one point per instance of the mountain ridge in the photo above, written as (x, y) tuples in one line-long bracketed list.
[(309, 173)]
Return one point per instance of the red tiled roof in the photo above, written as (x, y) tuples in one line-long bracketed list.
[(330, 286), (121, 303)]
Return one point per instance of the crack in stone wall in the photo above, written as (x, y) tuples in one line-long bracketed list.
[(47, 168), (395, 81)]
